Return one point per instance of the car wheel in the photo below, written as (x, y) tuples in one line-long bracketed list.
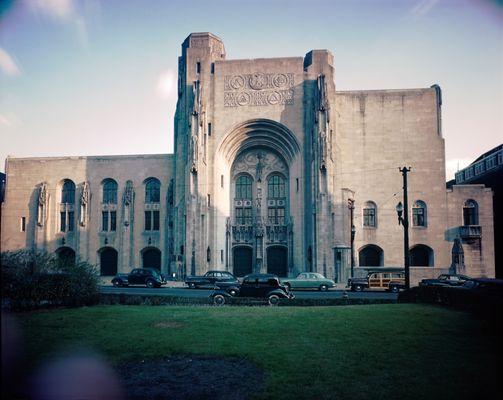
[(394, 289), (150, 284), (273, 300), (219, 300), (357, 288), (323, 288), (116, 283), (192, 285)]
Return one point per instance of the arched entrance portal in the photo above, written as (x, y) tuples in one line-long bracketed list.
[(277, 260), (108, 261), (151, 258), (66, 255), (242, 260)]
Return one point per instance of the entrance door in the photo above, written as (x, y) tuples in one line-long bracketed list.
[(152, 258), (108, 262), (242, 260), (277, 261)]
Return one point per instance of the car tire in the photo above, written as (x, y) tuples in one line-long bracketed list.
[(394, 289), (323, 288), (150, 284), (357, 288), (192, 285), (117, 283), (273, 300), (219, 300)]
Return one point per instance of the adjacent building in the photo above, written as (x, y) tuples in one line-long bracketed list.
[(268, 155)]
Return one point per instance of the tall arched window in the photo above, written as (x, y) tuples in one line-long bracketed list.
[(370, 214), (66, 210), (152, 190), (68, 192), (419, 213), (470, 213), (242, 200), (276, 200), (109, 191)]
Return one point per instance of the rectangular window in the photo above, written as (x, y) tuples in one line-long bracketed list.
[(281, 216), (156, 220), (198, 67), (418, 216), (248, 216), (209, 128), (23, 224), (297, 183), (148, 220), (221, 181), (221, 255), (62, 217), (368, 217), (113, 220), (271, 215), (209, 200), (70, 221), (239, 216), (212, 68), (491, 162), (104, 221)]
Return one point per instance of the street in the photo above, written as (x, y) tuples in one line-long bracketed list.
[(186, 292)]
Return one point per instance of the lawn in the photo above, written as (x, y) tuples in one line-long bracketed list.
[(391, 351)]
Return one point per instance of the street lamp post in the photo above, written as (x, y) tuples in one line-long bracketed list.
[(404, 210), (351, 206)]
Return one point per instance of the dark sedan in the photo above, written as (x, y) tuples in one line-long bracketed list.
[(150, 277), (258, 286), (446, 279)]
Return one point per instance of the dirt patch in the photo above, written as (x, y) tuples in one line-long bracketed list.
[(169, 324), (187, 377)]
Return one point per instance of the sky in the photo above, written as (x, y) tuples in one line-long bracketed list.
[(95, 77)]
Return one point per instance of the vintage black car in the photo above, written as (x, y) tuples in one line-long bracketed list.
[(150, 277), (258, 286), (446, 279), (209, 279)]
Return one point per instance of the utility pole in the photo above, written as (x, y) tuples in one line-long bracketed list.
[(405, 223), (351, 206)]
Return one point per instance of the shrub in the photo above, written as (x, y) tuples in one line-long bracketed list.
[(31, 279)]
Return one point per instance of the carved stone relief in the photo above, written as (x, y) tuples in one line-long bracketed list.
[(258, 89), (259, 163)]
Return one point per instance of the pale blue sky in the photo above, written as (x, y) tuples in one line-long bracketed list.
[(98, 77)]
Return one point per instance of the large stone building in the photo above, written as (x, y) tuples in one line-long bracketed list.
[(267, 156)]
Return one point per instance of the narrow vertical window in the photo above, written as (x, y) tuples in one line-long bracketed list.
[(221, 256), (104, 220), (156, 221), (23, 224), (62, 226), (297, 183), (198, 67), (113, 220), (209, 200), (369, 214), (221, 181), (70, 221), (212, 68), (148, 220), (209, 128), (419, 213)]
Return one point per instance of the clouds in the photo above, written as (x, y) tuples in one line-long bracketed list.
[(7, 64), (166, 84), (455, 164), (70, 13), (423, 7)]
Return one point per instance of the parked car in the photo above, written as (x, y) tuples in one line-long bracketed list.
[(258, 286), (230, 287), (150, 277), (392, 281), (446, 279), (308, 280), (209, 279)]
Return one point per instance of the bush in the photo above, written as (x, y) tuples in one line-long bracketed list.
[(31, 279)]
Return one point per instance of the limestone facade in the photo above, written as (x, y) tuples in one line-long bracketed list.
[(267, 155)]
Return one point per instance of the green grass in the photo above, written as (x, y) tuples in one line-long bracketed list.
[(392, 351)]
